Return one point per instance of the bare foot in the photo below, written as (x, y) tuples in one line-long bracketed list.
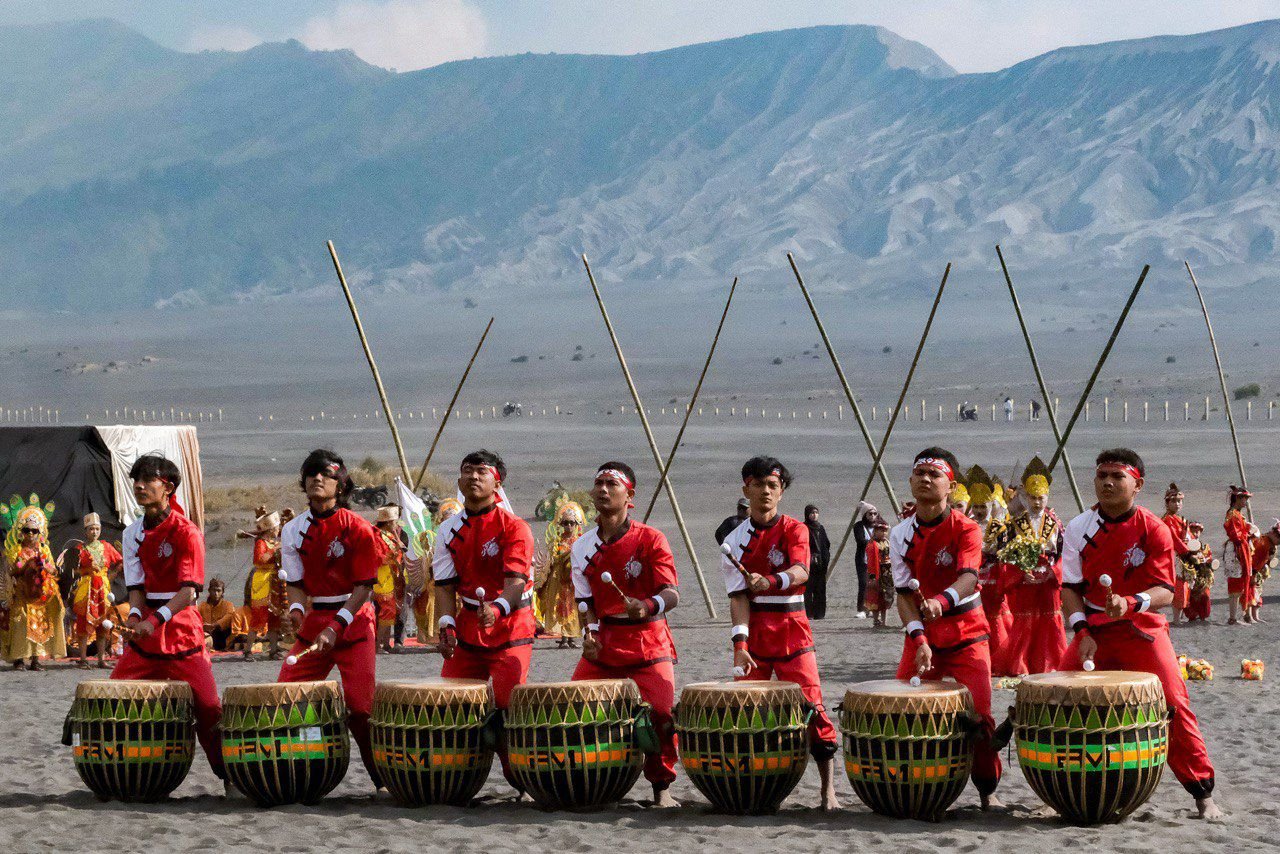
[(1208, 809), (991, 802), (523, 798), (829, 802), (662, 799)]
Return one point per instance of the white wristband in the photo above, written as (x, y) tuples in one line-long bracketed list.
[(502, 603), (164, 613), (784, 580), (345, 616), (446, 621), (1075, 618), (593, 627), (135, 612), (299, 607), (952, 596), (913, 626), (1144, 601), (740, 630), (659, 604)]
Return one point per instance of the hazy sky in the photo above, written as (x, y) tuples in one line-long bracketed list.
[(973, 35)]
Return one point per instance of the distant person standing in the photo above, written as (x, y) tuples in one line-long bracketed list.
[(728, 526), (863, 532), (815, 592), (1035, 410), (1008, 409)]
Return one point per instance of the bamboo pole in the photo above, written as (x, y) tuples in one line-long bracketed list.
[(1097, 369), (844, 383), (1044, 389), (693, 401), (893, 417), (422, 472), (1222, 382), (653, 445), (373, 366)]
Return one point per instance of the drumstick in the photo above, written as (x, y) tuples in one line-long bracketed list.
[(1089, 665), (293, 659), (108, 625), (727, 551), (607, 578), (915, 681), (480, 593), (1105, 581), (739, 672)]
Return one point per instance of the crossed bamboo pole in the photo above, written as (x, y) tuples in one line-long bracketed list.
[(653, 445), (422, 472)]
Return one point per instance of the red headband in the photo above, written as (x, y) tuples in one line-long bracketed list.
[(614, 474), (1123, 468), (939, 464)]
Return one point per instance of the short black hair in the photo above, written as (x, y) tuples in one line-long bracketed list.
[(940, 454), (156, 465), (810, 508), (762, 467), (1124, 456), (622, 467), (322, 459), (483, 457)]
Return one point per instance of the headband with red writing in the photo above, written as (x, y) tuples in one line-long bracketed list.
[(497, 478), (938, 464), (615, 475), (1120, 468)]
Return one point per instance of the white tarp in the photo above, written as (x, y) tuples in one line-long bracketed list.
[(128, 442)]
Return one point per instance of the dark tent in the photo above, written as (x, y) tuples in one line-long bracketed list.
[(69, 466)]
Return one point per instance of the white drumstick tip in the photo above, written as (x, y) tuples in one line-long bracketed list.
[(726, 549), (479, 592), (282, 575), (914, 584), (1104, 580), (1089, 665), (111, 598), (606, 577), (108, 625), (291, 660), (915, 681), (739, 672), (582, 607)]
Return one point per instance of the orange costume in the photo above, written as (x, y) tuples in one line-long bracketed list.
[(388, 589), (1036, 639), (35, 611), (267, 594), (1237, 558), (93, 585)]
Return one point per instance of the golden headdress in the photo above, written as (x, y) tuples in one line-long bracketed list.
[(18, 514), (959, 494), (981, 488), (567, 510), (1036, 478), (448, 507)]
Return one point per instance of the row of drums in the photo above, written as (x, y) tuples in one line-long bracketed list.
[(1091, 745)]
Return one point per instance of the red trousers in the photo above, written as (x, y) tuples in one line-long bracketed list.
[(506, 667), (355, 657), (803, 670), (197, 672), (1122, 648), (657, 684), (971, 667)]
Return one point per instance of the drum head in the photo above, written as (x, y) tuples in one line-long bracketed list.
[(900, 695), (276, 693), (1099, 687), (745, 693), (133, 689), (433, 691), (588, 690)]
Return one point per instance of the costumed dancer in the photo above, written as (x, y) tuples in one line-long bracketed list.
[(388, 587), (555, 589), (625, 575), (1237, 556), (92, 598), (1031, 569), (164, 574), (765, 571), (1264, 560), (484, 557), (936, 554), (983, 509), (420, 578), (1198, 567), (1173, 498), (36, 626), (879, 598), (268, 595), (1117, 572), (330, 558)]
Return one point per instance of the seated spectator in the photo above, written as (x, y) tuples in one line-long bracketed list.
[(217, 613)]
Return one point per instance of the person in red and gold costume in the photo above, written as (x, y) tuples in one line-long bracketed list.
[(388, 589), (330, 558), (164, 574), (555, 589), (879, 597), (983, 509), (1264, 560), (417, 573), (936, 553), (1117, 572), (1033, 584), (1198, 568), (1237, 557), (268, 594), (35, 609), (484, 556), (1172, 517), (765, 570), (625, 576), (91, 600)]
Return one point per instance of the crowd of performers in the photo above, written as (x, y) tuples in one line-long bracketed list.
[(986, 580)]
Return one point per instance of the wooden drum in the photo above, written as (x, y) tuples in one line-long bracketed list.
[(430, 743), (577, 745), (1092, 745), (908, 749), (285, 742), (131, 740), (744, 745)]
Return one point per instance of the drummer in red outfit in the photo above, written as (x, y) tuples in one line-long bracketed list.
[(771, 635), (1117, 626), (331, 555), (627, 636), (164, 573), (1172, 517), (946, 629), (1237, 558), (485, 547)]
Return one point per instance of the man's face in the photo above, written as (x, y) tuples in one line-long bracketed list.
[(92, 532), (216, 592), (1036, 504), (150, 491), (764, 493), (929, 485), (1115, 487), (610, 495), (1173, 504), (811, 516), (322, 486), (743, 510), (477, 482)]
